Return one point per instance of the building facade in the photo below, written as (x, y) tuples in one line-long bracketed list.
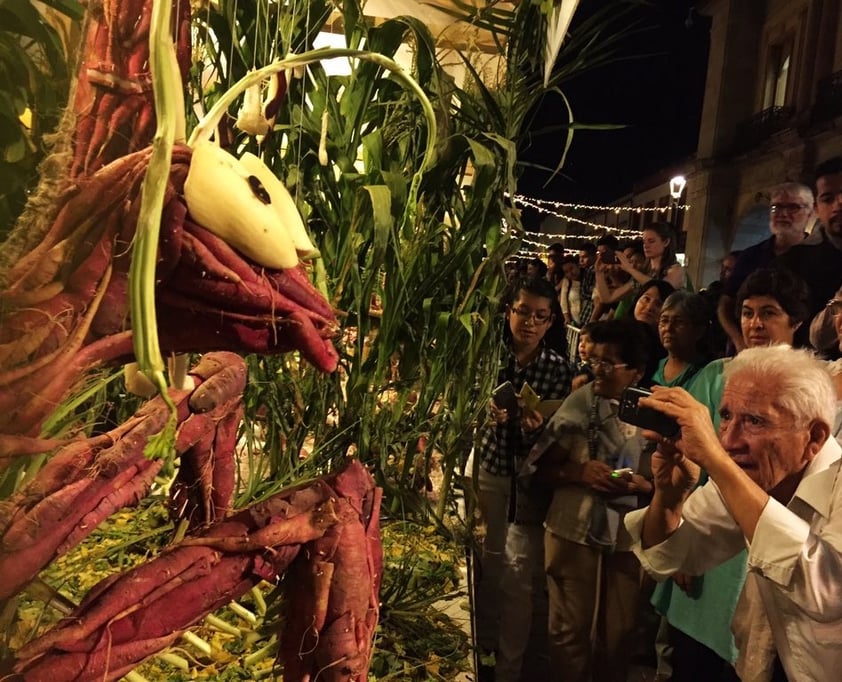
[(772, 111)]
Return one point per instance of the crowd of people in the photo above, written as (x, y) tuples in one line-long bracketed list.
[(712, 551)]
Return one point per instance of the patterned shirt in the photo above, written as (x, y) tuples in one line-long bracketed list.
[(586, 294), (549, 375)]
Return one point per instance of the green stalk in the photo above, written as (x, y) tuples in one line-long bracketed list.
[(174, 660), (243, 612), (219, 624), (197, 642), (167, 95), (132, 676), (257, 656)]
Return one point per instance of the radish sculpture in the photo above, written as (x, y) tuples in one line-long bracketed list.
[(228, 280)]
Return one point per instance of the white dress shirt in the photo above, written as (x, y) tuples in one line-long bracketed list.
[(794, 589)]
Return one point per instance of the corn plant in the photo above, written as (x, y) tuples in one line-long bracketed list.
[(406, 197)]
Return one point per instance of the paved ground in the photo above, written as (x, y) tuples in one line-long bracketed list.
[(459, 612)]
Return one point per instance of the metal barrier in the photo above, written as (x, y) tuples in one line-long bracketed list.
[(573, 343)]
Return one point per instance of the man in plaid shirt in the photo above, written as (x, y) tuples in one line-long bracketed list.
[(511, 605)]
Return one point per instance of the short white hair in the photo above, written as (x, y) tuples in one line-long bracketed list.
[(802, 381), (803, 191)]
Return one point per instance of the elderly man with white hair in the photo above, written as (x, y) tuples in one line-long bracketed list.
[(775, 488)]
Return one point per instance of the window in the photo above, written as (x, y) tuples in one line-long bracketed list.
[(778, 66)]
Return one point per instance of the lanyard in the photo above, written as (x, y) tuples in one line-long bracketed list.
[(593, 428)]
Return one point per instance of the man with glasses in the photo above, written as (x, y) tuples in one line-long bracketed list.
[(790, 214), (589, 458)]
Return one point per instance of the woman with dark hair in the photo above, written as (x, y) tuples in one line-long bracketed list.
[(646, 309), (661, 264), (771, 305), (591, 574), (647, 304), (536, 268), (512, 554), (570, 293)]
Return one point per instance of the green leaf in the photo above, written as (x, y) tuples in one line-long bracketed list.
[(380, 199), (16, 151)]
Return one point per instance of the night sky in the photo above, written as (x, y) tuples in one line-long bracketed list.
[(658, 97)]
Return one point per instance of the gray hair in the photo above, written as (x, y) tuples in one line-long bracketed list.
[(802, 381), (692, 306), (794, 188)]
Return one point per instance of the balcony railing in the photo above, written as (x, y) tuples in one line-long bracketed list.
[(828, 98), (752, 131)]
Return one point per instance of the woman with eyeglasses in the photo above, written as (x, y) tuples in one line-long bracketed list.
[(510, 603), (683, 325), (591, 574), (771, 305), (683, 329)]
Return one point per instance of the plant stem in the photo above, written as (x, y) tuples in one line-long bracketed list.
[(145, 247)]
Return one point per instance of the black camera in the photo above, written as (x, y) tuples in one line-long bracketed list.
[(645, 417)]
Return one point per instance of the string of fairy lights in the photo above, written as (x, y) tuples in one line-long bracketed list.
[(560, 209)]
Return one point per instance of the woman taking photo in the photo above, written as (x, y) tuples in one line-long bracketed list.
[(661, 264)]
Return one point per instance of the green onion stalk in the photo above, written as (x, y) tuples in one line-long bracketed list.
[(169, 110)]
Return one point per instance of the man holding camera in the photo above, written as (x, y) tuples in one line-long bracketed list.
[(775, 488)]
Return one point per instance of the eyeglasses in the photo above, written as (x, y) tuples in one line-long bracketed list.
[(604, 367), (538, 317), (834, 306), (788, 208)]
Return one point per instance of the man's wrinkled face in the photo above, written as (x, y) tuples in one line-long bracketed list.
[(611, 374), (829, 203), (765, 441), (789, 214)]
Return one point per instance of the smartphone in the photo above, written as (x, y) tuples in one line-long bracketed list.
[(608, 258), (619, 473), (529, 397), (645, 417), (505, 397)]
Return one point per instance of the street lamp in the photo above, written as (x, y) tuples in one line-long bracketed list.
[(677, 185)]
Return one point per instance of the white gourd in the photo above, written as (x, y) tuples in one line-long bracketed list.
[(222, 199)]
